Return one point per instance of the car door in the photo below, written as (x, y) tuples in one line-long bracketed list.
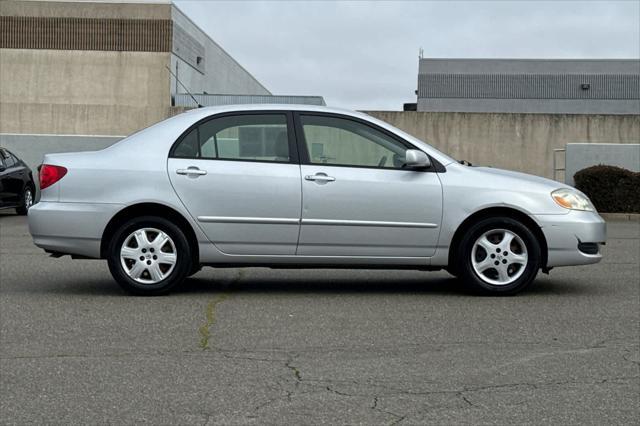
[(357, 198), (11, 179), (238, 175)]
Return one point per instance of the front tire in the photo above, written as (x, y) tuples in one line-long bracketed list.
[(498, 256), (149, 256)]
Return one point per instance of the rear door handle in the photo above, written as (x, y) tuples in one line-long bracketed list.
[(191, 171), (320, 177)]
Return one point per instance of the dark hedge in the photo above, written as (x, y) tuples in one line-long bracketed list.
[(611, 189)]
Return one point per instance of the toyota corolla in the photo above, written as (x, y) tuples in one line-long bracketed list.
[(308, 187)]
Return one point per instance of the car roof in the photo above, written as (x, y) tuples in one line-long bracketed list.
[(268, 107), (300, 107)]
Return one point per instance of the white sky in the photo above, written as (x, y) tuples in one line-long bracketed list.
[(364, 54)]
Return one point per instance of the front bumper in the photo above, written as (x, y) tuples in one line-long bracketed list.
[(565, 233), (70, 228)]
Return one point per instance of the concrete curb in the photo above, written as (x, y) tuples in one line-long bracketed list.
[(634, 217)]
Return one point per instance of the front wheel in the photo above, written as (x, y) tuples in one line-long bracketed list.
[(149, 256), (498, 256)]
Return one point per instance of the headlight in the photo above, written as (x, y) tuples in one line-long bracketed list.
[(573, 200)]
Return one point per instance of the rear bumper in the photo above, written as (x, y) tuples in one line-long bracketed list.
[(70, 228), (573, 238)]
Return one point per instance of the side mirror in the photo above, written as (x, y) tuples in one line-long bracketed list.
[(416, 159)]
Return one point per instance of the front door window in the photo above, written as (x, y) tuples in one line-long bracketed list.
[(342, 142)]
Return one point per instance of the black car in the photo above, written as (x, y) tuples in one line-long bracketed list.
[(17, 188)]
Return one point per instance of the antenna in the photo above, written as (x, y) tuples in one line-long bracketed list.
[(421, 53), (183, 86)]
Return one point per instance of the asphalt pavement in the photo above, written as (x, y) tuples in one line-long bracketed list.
[(261, 346)]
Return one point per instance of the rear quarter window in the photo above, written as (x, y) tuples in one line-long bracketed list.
[(188, 147)]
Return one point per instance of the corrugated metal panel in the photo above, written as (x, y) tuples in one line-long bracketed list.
[(529, 86), (184, 100), (134, 35)]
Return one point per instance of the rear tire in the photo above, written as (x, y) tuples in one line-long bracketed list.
[(452, 272), (194, 270), (498, 256), (26, 202), (149, 256)]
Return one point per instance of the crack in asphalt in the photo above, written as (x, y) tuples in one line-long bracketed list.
[(210, 313), (465, 399), (330, 389), (299, 380), (294, 369), (462, 394), (297, 383), (398, 417)]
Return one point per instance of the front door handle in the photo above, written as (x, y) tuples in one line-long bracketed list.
[(191, 171), (320, 177)]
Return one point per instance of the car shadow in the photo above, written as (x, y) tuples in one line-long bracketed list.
[(348, 284), (436, 286), (332, 284)]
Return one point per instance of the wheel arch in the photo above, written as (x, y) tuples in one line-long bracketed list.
[(31, 184), (150, 209), (498, 212)]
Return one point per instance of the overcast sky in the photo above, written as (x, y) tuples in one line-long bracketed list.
[(364, 54)]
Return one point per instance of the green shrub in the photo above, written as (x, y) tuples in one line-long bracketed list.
[(611, 189)]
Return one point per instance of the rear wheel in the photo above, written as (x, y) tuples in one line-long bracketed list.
[(149, 256), (26, 202), (498, 256)]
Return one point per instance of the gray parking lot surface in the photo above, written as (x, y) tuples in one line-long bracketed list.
[(261, 346)]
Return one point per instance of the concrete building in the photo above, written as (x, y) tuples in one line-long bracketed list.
[(103, 67), (552, 86), (82, 74)]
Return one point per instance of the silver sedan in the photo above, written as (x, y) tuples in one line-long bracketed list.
[(308, 187)]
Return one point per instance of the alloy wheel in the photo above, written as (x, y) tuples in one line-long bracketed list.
[(499, 257)]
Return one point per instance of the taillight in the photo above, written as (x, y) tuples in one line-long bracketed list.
[(51, 174)]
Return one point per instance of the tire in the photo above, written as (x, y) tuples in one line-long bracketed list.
[(452, 271), (149, 256), (26, 201), (195, 269), (483, 246)]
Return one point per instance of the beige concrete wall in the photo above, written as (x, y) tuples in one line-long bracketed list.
[(522, 142), (82, 92)]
